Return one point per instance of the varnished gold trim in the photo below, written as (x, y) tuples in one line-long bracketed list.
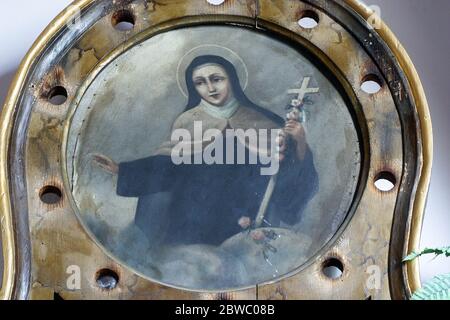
[(413, 234), (6, 122)]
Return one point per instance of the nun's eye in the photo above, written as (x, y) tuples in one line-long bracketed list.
[(217, 79), (199, 83)]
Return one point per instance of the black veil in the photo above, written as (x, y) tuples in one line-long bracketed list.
[(194, 98)]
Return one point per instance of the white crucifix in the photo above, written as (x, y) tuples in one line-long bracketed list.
[(297, 105), (302, 92)]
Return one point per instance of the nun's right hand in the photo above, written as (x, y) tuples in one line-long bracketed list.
[(281, 144), (105, 163)]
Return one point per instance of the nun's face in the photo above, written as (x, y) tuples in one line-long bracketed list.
[(212, 84)]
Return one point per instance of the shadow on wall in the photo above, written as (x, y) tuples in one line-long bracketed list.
[(5, 82)]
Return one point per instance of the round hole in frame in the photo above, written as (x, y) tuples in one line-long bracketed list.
[(123, 20), (333, 268), (50, 195), (385, 181), (215, 2), (371, 84), (57, 95), (309, 19), (107, 279)]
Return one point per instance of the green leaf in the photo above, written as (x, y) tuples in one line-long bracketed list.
[(437, 251), (411, 256), (437, 288)]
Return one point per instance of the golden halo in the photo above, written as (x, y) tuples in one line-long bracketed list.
[(211, 49)]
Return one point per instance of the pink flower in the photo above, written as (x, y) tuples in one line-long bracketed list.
[(244, 222), (257, 235)]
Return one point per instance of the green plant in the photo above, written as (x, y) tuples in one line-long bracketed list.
[(437, 288)]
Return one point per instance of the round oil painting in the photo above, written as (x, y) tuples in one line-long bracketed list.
[(213, 158)]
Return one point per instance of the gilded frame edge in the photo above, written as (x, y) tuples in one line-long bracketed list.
[(6, 125), (411, 269)]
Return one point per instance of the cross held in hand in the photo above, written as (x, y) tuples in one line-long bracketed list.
[(298, 103), (302, 92)]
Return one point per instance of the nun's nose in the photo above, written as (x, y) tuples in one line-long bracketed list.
[(211, 87)]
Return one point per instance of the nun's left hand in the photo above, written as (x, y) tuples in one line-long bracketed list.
[(296, 132)]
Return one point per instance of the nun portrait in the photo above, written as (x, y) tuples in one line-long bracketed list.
[(188, 204)]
